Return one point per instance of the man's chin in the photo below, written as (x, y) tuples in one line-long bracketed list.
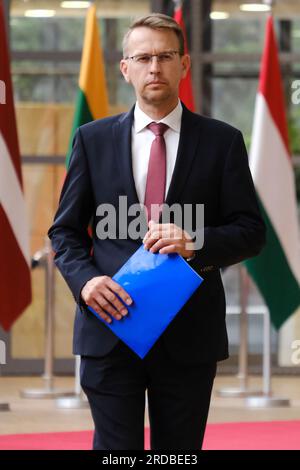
[(156, 96)]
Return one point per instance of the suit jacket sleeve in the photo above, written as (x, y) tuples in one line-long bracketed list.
[(240, 233), (69, 233)]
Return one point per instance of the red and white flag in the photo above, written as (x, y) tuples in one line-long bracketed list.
[(15, 282), (185, 86)]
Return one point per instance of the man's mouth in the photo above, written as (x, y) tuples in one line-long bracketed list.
[(156, 83)]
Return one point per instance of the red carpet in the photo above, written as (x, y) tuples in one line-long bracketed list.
[(275, 435)]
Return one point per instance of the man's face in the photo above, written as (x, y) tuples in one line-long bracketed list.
[(155, 82)]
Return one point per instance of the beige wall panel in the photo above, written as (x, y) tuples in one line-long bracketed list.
[(36, 124)]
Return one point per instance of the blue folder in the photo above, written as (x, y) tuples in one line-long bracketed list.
[(159, 286)]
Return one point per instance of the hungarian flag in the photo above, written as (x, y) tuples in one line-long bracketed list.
[(15, 281), (276, 271), (185, 86), (92, 100)]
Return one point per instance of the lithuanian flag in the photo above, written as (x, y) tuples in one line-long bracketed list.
[(92, 100)]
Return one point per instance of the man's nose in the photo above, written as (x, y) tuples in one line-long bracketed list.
[(154, 65)]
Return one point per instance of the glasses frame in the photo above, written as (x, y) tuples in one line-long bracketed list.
[(134, 58)]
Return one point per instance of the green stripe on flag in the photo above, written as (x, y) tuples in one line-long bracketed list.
[(272, 274), (82, 116)]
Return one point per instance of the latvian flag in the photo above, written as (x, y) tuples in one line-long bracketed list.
[(15, 283)]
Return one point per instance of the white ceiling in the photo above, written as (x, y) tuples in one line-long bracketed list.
[(281, 8), (105, 8)]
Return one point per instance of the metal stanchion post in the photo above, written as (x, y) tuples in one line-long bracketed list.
[(4, 407), (48, 391), (266, 400), (243, 390), (78, 400)]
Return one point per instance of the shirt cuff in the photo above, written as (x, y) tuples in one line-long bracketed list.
[(191, 257)]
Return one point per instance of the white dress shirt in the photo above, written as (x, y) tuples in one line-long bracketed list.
[(142, 139)]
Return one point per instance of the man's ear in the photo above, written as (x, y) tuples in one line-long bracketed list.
[(185, 64), (124, 70)]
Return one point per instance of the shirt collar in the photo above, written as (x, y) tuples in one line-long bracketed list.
[(173, 119)]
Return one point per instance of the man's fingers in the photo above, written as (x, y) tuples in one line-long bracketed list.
[(114, 300), (150, 234), (155, 230), (155, 234), (107, 306), (165, 233), (150, 241), (166, 250), (100, 312), (117, 289), (162, 242), (159, 229)]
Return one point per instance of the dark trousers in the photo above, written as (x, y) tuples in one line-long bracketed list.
[(178, 399)]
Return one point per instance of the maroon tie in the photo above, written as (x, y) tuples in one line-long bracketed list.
[(156, 176)]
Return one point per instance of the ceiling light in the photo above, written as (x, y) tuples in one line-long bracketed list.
[(254, 7), (75, 4), (39, 13), (219, 15)]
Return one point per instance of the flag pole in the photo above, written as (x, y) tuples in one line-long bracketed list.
[(242, 391), (267, 400)]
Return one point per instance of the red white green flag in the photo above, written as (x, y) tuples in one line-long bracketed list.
[(276, 271)]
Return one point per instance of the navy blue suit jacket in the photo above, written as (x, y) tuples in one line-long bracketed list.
[(211, 169)]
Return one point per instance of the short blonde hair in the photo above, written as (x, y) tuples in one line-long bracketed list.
[(156, 21)]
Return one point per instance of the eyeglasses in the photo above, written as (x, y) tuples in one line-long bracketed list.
[(145, 59)]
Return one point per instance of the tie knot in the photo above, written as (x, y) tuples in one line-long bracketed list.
[(158, 128)]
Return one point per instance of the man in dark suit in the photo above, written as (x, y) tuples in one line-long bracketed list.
[(157, 152)]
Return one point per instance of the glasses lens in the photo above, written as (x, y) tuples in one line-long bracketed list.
[(165, 56), (142, 58)]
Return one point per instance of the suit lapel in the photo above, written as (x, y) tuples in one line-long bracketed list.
[(188, 142), (122, 144)]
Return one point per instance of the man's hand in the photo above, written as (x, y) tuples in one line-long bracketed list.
[(168, 238), (101, 292)]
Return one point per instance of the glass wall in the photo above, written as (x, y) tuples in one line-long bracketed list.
[(241, 34)]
